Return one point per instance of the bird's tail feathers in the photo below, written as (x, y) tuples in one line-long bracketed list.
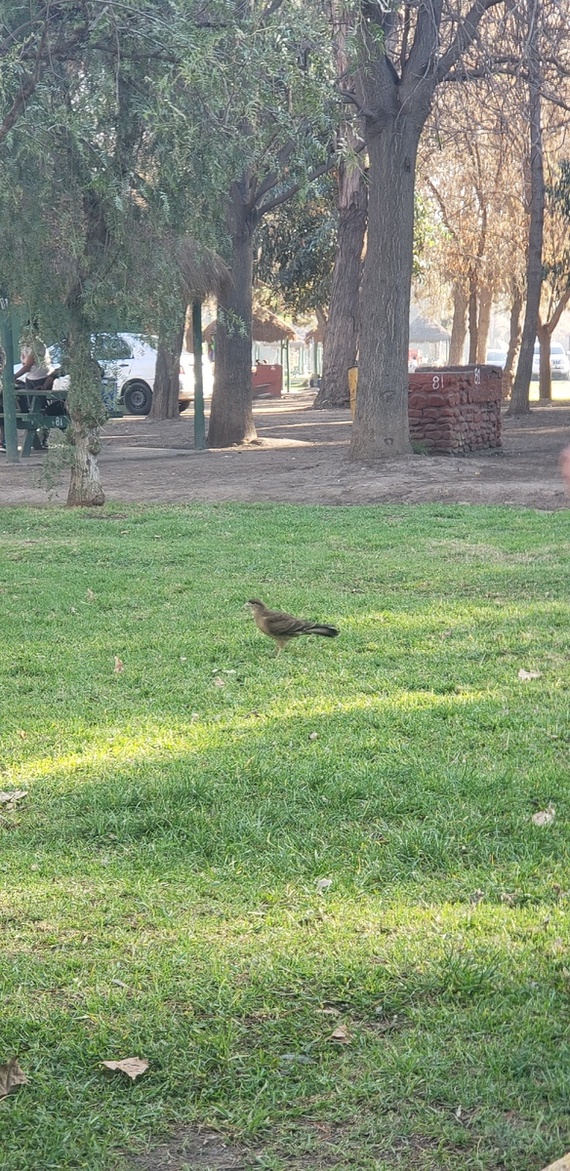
[(326, 631)]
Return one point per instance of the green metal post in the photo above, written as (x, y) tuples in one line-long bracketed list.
[(8, 391), (199, 419), (287, 367)]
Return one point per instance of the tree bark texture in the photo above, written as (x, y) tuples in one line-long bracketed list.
[(87, 413), (340, 347), (514, 339), (341, 338), (231, 415), (394, 89), (85, 486), (484, 322), (459, 326), (544, 375), (381, 428), (521, 387), (473, 321), (166, 392)]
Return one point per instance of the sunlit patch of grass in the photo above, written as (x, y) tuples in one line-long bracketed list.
[(161, 883)]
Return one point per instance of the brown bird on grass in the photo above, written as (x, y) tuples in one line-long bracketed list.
[(281, 626)]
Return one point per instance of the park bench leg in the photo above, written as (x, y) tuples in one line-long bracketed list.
[(28, 443)]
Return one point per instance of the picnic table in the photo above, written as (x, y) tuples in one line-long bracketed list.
[(38, 410), (32, 409)]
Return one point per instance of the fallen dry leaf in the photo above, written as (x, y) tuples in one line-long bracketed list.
[(90, 595), (23, 735), (218, 682), (11, 1076), (10, 798), (341, 1035), (544, 816), (132, 1066), (323, 884), (313, 735), (119, 665), (529, 674)]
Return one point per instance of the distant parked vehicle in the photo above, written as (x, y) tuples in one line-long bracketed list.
[(187, 375), (131, 358), (496, 358), (559, 361), (128, 365)]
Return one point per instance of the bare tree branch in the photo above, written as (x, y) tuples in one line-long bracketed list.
[(464, 36)]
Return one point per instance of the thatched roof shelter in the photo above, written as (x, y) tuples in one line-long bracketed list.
[(423, 329), (203, 272), (268, 328)]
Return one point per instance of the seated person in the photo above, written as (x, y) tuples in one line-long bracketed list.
[(36, 372)]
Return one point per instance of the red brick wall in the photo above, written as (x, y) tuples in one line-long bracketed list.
[(456, 409)]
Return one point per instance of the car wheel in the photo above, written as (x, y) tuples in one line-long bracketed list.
[(137, 398)]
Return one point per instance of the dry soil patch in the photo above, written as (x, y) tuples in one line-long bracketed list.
[(302, 458)]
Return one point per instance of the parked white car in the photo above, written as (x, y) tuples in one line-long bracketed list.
[(559, 361), (187, 374), (131, 359)]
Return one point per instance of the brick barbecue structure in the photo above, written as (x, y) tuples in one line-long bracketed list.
[(456, 409)]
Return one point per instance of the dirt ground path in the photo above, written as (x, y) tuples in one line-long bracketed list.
[(302, 458)]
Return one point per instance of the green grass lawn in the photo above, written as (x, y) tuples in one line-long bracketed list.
[(161, 891)]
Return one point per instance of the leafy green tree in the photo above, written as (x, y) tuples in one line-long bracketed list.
[(83, 211), (263, 89), (297, 249)]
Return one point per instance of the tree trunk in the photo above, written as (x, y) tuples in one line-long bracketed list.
[(514, 340), (85, 486), (459, 326), (381, 428), (484, 323), (166, 390), (544, 377), (341, 339), (231, 415), (87, 413), (520, 396), (473, 321)]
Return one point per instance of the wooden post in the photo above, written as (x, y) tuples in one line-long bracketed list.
[(199, 420), (287, 367), (8, 390)]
